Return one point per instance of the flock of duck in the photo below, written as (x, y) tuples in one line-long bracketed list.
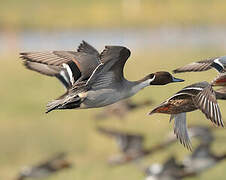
[(94, 79), (132, 150)]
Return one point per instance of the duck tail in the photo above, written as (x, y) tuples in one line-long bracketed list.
[(152, 111), (157, 109), (66, 101), (53, 105)]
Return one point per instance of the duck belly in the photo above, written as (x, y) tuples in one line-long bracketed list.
[(100, 98)]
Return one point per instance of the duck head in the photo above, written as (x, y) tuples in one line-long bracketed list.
[(162, 78)]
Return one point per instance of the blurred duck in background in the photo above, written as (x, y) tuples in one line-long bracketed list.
[(131, 146), (202, 159), (45, 169), (196, 96), (121, 109), (169, 170), (93, 80)]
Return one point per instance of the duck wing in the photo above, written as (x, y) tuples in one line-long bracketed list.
[(113, 59), (207, 103), (87, 48), (180, 129), (203, 65), (60, 73), (67, 66)]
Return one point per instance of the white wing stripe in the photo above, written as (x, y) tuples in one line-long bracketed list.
[(67, 67)]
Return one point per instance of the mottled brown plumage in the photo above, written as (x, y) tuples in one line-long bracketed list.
[(197, 96)]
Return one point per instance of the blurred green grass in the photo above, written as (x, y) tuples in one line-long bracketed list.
[(28, 135), (69, 14)]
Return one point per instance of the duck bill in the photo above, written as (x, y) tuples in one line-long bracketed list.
[(177, 80)]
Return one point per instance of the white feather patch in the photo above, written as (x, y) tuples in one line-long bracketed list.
[(62, 73), (218, 62), (67, 67)]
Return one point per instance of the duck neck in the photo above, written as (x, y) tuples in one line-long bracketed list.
[(135, 86)]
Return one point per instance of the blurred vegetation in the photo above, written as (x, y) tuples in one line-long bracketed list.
[(73, 14), (28, 135)]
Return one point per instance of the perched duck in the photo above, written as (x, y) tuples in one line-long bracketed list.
[(102, 86), (121, 108), (196, 96), (131, 146), (202, 159), (169, 170), (46, 168), (219, 63)]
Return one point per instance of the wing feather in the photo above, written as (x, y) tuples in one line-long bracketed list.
[(196, 66), (181, 131), (207, 103)]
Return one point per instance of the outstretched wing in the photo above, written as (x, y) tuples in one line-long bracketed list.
[(113, 59), (207, 103), (87, 48), (196, 66), (118, 54), (67, 66), (180, 129), (50, 70)]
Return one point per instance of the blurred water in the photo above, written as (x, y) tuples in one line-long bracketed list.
[(135, 39)]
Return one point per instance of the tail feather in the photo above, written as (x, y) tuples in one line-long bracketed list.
[(53, 105), (64, 102)]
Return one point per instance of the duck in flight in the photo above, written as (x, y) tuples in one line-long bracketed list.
[(91, 79), (219, 63), (169, 170), (131, 146), (46, 168), (196, 96)]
